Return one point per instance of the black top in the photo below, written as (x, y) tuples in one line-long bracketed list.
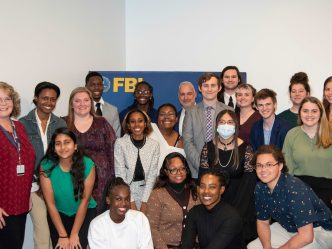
[(217, 228), (139, 171), (242, 181)]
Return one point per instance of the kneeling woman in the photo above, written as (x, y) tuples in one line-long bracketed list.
[(67, 178), (120, 226), (174, 194)]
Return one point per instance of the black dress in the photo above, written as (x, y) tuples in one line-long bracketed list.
[(242, 181)]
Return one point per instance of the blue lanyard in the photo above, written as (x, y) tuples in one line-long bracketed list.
[(15, 141)]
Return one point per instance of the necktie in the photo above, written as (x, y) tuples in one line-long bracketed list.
[(230, 102), (208, 124), (98, 110)]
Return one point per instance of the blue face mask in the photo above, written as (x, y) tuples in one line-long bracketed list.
[(225, 130)]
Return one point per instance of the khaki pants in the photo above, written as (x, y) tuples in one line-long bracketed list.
[(41, 232), (279, 236)]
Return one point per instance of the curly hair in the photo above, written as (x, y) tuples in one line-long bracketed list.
[(14, 96), (77, 167), (162, 179)]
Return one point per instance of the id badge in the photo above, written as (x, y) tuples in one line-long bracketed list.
[(20, 169)]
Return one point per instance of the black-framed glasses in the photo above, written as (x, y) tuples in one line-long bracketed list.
[(175, 171), (265, 166)]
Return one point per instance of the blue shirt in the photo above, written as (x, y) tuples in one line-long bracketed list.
[(292, 204)]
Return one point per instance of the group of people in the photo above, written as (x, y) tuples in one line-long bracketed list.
[(209, 176)]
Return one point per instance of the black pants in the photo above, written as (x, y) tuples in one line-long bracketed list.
[(12, 235), (321, 186), (68, 222)]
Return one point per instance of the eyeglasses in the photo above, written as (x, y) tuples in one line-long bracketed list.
[(6, 100), (176, 171), (167, 115), (265, 166), (145, 92)]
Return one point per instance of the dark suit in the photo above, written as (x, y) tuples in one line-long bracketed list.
[(278, 133), (222, 100), (194, 133)]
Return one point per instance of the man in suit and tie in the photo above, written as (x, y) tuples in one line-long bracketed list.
[(199, 121), (230, 78), (94, 82), (187, 98)]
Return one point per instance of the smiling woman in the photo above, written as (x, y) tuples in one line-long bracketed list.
[(136, 157), (308, 150), (40, 124), (17, 158), (120, 226), (94, 134)]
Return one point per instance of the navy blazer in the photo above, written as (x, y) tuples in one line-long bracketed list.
[(278, 134)]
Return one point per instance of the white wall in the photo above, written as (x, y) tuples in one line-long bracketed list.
[(59, 41), (270, 40)]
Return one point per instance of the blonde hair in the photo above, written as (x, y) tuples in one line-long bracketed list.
[(14, 96), (71, 116), (324, 131)]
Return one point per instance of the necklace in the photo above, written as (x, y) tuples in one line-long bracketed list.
[(226, 144), (138, 143), (230, 158)]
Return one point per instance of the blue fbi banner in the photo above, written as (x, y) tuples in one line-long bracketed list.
[(119, 86)]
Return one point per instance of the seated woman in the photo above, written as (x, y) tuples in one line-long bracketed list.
[(231, 155), (215, 223), (308, 149), (120, 226), (67, 178), (136, 157), (247, 115), (173, 196), (143, 100), (298, 89), (168, 138), (327, 98)]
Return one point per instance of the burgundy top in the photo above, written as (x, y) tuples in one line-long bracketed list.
[(14, 189), (245, 128), (98, 144)]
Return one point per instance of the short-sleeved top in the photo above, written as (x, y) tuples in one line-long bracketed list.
[(63, 187), (290, 117), (292, 203)]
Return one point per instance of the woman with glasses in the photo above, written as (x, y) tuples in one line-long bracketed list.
[(143, 100), (174, 194), (17, 158), (232, 156), (308, 149), (163, 132), (136, 157)]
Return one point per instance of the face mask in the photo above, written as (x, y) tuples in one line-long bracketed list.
[(225, 130)]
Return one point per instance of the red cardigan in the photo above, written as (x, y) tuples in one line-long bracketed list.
[(15, 190)]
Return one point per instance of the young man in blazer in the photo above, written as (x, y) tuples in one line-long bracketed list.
[(199, 122)]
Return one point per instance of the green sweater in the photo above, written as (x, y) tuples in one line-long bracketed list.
[(304, 158), (290, 117), (63, 189)]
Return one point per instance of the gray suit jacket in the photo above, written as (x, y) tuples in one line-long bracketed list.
[(110, 113), (194, 132)]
